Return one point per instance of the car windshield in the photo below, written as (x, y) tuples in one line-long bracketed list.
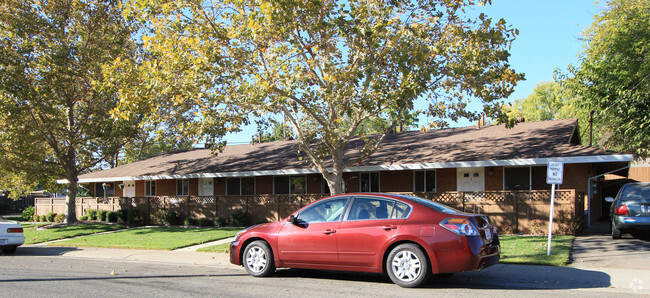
[(636, 191), (432, 205)]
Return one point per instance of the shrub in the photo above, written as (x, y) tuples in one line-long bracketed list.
[(59, 218), (537, 227), (92, 214), (36, 217), (4, 208), (84, 218), (205, 222), (111, 216), (133, 217), (28, 213), (189, 221), (122, 215), (42, 218), (238, 218), (50, 216), (166, 217), (219, 222), (101, 215)]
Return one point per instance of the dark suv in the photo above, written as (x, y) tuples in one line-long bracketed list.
[(630, 211)]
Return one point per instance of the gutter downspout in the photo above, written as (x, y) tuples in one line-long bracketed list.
[(589, 180)]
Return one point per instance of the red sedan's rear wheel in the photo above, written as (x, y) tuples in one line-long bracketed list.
[(258, 259), (407, 266)]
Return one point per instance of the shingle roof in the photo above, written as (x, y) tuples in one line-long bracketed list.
[(436, 148)]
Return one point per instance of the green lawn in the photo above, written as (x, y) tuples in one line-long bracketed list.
[(223, 248), (532, 250), (32, 235), (166, 238)]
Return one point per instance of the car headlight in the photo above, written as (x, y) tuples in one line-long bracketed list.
[(240, 232)]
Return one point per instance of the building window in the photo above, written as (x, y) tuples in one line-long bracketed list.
[(289, 185), (240, 186), (324, 187), (150, 188), (525, 178), (108, 192), (182, 187), (424, 181), (369, 182)]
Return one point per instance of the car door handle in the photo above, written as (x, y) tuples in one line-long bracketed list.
[(329, 231), (389, 227)]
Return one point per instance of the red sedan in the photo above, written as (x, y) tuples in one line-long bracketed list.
[(407, 237)]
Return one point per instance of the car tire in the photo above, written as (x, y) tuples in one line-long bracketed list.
[(407, 266), (616, 233), (258, 259), (9, 250)]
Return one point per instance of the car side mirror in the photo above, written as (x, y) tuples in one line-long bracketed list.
[(293, 219), (609, 199)]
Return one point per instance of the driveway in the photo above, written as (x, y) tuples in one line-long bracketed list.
[(596, 249)]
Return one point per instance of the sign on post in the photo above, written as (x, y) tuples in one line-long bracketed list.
[(555, 172), (554, 175)]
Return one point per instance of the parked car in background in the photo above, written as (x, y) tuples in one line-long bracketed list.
[(11, 235), (630, 211), (408, 238)]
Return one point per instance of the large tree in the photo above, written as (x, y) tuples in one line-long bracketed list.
[(613, 77), (329, 66), (55, 105), (549, 100)]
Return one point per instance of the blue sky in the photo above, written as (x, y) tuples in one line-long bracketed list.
[(549, 38)]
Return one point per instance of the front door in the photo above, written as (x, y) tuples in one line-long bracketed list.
[(129, 189), (206, 187), (313, 239), (471, 179)]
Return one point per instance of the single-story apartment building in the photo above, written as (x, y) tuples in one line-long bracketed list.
[(490, 169)]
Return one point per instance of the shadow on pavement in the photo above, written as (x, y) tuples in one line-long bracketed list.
[(496, 277), (117, 277), (42, 250)]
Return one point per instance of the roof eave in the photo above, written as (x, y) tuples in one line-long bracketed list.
[(418, 166)]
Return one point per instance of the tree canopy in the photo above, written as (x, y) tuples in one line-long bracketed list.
[(613, 77), (55, 104), (329, 66), (548, 101)]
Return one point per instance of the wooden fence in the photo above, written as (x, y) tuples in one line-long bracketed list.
[(510, 211)]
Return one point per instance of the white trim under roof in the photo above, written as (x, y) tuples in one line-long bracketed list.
[(419, 166)]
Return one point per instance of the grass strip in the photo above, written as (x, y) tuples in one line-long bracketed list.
[(532, 250), (34, 235), (164, 238), (222, 248)]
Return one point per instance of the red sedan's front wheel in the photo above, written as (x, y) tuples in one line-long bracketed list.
[(258, 259), (407, 266)]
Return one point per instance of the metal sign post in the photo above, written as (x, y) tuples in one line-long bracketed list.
[(554, 175)]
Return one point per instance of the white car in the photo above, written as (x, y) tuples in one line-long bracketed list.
[(11, 235)]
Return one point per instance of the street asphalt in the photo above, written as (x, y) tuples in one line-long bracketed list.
[(597, 262)]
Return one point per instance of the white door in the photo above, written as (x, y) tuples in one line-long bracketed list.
[(129, 189), (206, 187), (471, 179)]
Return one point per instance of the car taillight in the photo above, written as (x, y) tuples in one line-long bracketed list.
[(14, 230), (460, 226), (622, 210)]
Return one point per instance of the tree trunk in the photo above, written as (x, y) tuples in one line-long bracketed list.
[(70, 201), (335, 179)]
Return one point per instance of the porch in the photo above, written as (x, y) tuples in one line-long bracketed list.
[(510, 211)]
